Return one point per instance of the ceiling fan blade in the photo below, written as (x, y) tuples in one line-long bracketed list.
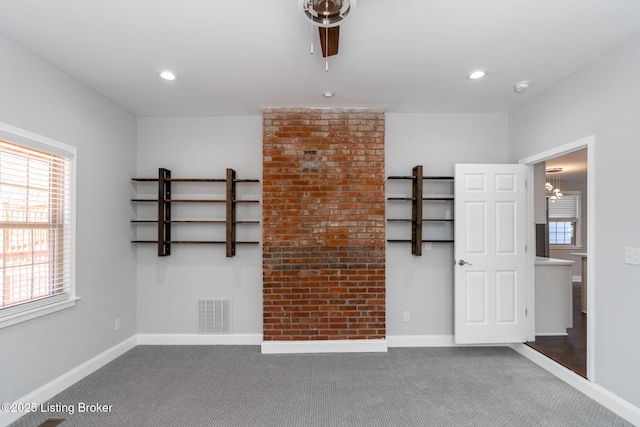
[(329, 38)]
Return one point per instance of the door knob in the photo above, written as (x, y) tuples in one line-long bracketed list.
[(463, 262)]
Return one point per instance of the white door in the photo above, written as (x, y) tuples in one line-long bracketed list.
[(489, 254)]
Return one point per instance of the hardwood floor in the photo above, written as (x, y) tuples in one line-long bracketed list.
[(569, 351)]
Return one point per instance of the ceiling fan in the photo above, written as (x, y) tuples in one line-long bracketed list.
[(328, 15)]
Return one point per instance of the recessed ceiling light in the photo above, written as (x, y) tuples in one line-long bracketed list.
[(328, 94), (168, 75), (477, 75)]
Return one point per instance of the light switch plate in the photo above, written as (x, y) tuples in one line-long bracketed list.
[(632, 256)]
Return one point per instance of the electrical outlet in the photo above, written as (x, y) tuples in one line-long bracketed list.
[(632, 256), (407, 316), (118, 324)]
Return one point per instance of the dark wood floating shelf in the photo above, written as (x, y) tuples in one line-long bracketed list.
[(164, 220), (434, 178), (423, 220), (193, 180), (194, 201), (193, 221), (432, 199), (194, 242), (417, 199), (424, 241)]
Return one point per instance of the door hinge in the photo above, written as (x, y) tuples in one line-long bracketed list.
[(526, 248), (526, 313)]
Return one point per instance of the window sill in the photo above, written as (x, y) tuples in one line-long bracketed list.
[(565, 247), (37, 312)]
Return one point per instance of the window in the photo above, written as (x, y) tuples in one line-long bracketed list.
[(562, 233), (564, 220), (36, 230)]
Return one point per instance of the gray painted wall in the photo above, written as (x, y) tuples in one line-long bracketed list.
[(423, 285), (204, 146), (168, 287), (601, 100), (40, 98)]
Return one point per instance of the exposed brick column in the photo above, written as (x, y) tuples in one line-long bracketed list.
[(323, 221)]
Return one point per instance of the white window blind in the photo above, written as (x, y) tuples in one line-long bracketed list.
[(35, 228), (564, 208)]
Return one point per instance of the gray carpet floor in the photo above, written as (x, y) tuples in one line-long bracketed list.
[(238, 386)]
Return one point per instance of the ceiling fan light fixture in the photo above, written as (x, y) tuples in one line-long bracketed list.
[(327, 13)]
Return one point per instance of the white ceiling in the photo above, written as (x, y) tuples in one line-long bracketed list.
[(574, 165), (237, 57)]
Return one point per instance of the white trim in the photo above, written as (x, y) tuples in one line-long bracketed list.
[(68, 379), (199, 339), (324, 346), (38, 142), (591, 265), (35, 141), (530, 233), (559, 151), (604, 397), (431, 341), (566, 247), (421, 341), (23, 316), (588, 143)]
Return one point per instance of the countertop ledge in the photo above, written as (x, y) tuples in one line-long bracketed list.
[(553, 261)]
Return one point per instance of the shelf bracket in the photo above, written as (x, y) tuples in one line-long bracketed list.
[(416, 212), (164, 212), (231, 213)]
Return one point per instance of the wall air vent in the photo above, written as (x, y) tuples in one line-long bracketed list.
[(214, 316)]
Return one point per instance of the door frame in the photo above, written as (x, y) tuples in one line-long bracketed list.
[(588, 143)]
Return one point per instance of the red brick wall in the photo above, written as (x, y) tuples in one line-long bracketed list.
[(323, 220)]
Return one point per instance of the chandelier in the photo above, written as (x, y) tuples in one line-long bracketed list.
[(553, 184)]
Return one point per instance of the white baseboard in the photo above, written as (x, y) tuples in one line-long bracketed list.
[(421, 341), (576, 279), (66, 380), (604, 397), (324, 346), (430, 341), (199, 339)]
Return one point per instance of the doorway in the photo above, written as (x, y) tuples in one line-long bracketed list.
[(573, 349)]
